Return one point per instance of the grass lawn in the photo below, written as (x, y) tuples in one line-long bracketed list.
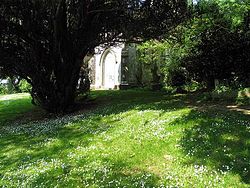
[(126, 139), (12, 106)]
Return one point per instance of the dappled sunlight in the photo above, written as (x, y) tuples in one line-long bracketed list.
[(111, 140), (13, 96), (155, 141), (242, 109), (83, 158), (219, 140)]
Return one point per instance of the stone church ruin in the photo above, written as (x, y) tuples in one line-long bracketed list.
[(117, 67)]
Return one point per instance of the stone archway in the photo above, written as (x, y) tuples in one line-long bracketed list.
[(108, 70)]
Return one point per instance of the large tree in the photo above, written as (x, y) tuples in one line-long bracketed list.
[(45, 41)]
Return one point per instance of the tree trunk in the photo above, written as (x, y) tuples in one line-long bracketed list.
[(210, 84), (56, 92)]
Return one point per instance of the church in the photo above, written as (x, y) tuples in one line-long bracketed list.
[(114, 67)]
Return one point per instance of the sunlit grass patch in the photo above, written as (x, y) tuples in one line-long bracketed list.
[(132, 139), (13, 97), (14, 105)]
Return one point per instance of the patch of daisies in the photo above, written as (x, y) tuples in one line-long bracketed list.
[(85, 165), (52, 126), (48, 126), (56, 173)]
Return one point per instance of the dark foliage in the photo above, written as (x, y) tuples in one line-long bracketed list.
[(45, 41), (222, 54)]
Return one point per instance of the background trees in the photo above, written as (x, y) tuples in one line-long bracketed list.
[(44, 42), (212, 45), (223, 50)]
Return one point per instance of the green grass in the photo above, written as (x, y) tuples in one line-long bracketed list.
[(128, 139), (12, 106)]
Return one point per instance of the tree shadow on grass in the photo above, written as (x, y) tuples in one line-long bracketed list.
[(218, 138), (36, 154), (13, 108), (34, 147), (115, 102)]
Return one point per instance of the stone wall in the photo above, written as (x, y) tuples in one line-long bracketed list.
[(127, 71)]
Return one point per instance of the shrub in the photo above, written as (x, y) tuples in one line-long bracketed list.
[(3, 89), (243, 97), (24, 86)]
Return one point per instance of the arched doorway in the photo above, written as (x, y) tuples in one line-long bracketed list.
[(108, 70)]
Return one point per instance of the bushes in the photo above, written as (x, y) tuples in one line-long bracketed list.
[(3, 89), (210, 47), (24, 86), (240, 96), (12, 86), (243, 96)]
